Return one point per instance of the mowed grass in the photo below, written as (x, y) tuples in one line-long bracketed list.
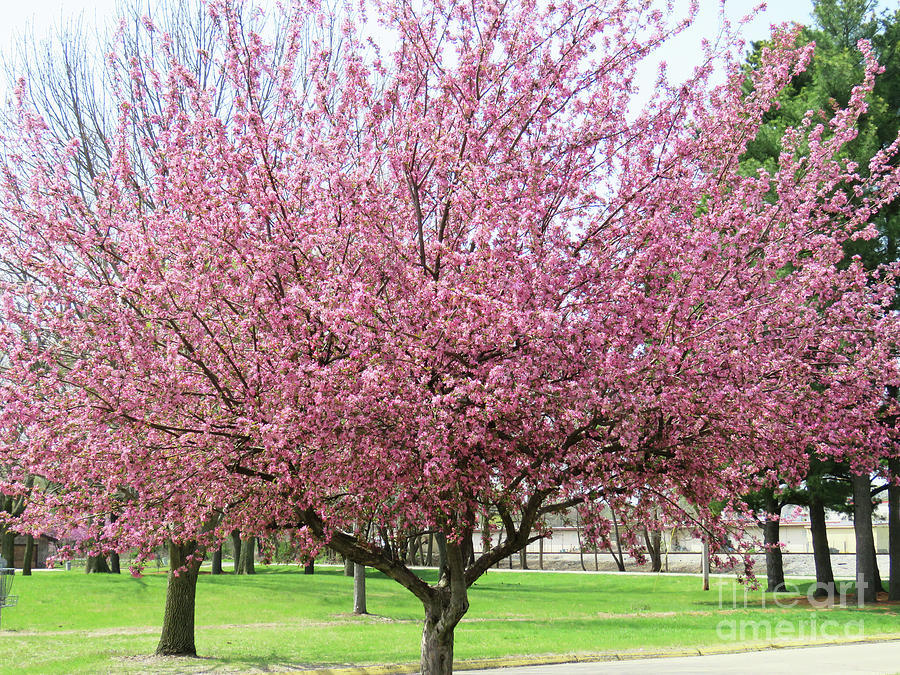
[(69, 622)]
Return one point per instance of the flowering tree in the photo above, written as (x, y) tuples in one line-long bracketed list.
[(417, 289)]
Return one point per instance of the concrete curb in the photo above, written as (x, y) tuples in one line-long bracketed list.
[(519, 661)]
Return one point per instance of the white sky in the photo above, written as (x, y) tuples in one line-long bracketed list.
[(680, 54)]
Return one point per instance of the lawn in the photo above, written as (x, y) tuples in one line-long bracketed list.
[(68, 622)]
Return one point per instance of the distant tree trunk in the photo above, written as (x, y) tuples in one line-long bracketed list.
[(441, 540), (115, 563), (429, 556), (771, 536), (894, 531), (96, 564), (523, 558), (236, 548), (821, 550), (386, 541), (248, 556), (217, 561), (580, 547), (865, 539), (29, 556), (654, 549), (310, 566), (704, 563), (8, 546), (541, 553), (359, 589), (470, 549), (177, 637), (412, 551), (617, 556)]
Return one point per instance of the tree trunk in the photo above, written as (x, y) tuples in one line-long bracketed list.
[(580, 546), (865, 539), (115, 563), (443, 612), (29, 556), (411, 551), (217, 561), (96, 564), (236, 548), (248, 557), (618, 557), (894, 531), (654, 549), (177, 637), (541, 553), (876, 573), (8, 546), (441, 540), (310, 567), (429, 556), (437, 648), (774, 560), (704, 563), (359, 589), (821, 552), (523, 558), (348, 567)]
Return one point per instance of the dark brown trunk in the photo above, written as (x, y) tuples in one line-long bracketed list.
[(28, 560), (310, 567), (248, 556), (429, 556), (236, 550), (541, 553), (771, 536), (177, 637), (894, 532), (217, 561), (8, 546), (821, 551), (865, 539), (876, 573)]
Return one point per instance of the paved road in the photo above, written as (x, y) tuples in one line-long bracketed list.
[(874, 658)]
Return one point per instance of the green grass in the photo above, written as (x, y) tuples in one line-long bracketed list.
[(72, 622)]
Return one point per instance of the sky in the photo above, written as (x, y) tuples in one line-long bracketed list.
[(680, 54)]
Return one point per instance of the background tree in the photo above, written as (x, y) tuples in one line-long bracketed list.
[(836, 68)]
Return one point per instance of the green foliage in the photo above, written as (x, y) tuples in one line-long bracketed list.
[(837, 66)]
